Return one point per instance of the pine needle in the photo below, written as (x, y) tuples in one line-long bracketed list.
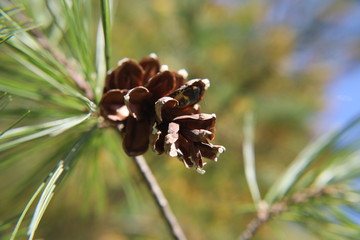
[(105, 13), (101, 63), (56, 127), (15, 122), (8, 26), (299, 165), (249, 158), (45, 198), (4, 100), (26, 209), (305, 159), (49, 184)]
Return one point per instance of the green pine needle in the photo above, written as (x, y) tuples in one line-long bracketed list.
[(249, 158), (26, 209), (8, 26), (304, 160), (105, 10), (50, 183), (15, 122), (29, 133)]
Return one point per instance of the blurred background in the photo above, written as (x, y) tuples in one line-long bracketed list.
[(293, 64)]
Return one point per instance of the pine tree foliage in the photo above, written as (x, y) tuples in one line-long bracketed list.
[(52, 69)]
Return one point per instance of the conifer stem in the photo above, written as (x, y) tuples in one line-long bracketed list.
[(265, 213), (160, 199)]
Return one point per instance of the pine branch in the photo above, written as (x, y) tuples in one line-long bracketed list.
[(160, 199), (266, 213)]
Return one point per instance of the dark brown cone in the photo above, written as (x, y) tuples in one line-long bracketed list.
[(128, 75), (151, 67), (136, 136), (112, 105)]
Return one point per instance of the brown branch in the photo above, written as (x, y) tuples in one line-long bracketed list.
[(252, 228), (160, 199), (265, 213)]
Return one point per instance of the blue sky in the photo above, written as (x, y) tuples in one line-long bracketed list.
[(343, 99)]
